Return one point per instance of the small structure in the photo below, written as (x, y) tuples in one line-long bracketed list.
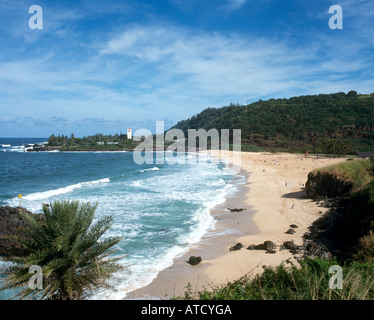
[(129, 133), (365, 155), (100, 143), (113, 143)]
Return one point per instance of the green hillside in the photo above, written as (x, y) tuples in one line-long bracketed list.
[(298, 122)]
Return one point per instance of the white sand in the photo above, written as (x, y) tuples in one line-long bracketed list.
[(274, 190)]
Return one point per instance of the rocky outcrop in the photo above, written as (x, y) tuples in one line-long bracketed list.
[(326, 184), (236, 209), (237, 247), (11, 224), (269, 246), (292, 247), (193, 260)]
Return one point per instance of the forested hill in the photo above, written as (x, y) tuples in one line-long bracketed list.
[(297, 122)]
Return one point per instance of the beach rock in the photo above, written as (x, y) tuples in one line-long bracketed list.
[(294, 226), (270, 245), (252, 247), (193, 260), (290, 231), (317, 249), (236, 210), (12, 224), (237, 247), (271, 251), (267, 245), (290, 245)]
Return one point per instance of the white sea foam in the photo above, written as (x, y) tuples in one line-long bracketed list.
[(152, 169), (10, 148), (51, 193), (137, 183), (138, 275)]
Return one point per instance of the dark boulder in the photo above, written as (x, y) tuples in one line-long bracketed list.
[(290, 245), (271, 251), (290, 231), (252, 247), (12, 224), (193, 260), (236, 210), (267, 245), (237, 247)]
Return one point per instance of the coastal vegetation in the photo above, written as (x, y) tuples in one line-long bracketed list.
[(97, 142), (310, 281), (336, 123), (65, 245), (333, 124), (346, 230), (337, 180)]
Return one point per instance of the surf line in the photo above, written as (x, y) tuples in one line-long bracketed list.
[(197, 140)]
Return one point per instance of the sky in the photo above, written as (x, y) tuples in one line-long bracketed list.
[(105, 66)]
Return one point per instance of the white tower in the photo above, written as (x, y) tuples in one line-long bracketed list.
[(129, 133)]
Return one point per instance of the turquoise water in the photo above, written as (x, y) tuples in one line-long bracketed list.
[(161, 210)]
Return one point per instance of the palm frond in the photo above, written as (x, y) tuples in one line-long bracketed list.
[(66, 245)]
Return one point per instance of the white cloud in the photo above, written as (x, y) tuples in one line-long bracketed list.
[(218, 64), (160, 70), (230, 6), (235, 4)]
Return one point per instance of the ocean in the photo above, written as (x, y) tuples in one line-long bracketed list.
[(160, 210)]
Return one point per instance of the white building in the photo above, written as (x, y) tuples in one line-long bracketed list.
[(129, 133)]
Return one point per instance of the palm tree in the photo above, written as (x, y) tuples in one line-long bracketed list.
[(65, 245)]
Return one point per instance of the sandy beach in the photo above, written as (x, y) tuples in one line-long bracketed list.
[(273, 199)]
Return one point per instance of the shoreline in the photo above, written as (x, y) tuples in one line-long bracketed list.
[(274, 198), (172, 281)]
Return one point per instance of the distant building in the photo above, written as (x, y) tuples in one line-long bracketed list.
[(101, 143), (366, 155), (129, 133)]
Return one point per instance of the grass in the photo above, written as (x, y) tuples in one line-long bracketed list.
[(356, 171), (309, 282), (251, 148)]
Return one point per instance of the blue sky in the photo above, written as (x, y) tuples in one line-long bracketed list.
[(103, 66)]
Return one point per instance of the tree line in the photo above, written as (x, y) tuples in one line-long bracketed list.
[(334, 146), (295, 122), (121, 141)]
